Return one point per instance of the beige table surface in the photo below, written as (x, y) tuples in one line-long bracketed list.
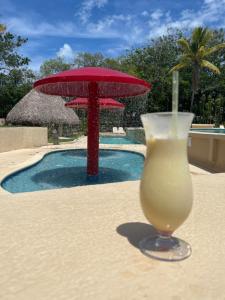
[(82, 243)]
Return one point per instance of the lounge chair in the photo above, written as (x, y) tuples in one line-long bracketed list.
[(121, 130), (115, 130)]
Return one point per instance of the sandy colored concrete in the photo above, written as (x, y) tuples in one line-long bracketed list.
[(207, 150), (81, 243), (12, 138)]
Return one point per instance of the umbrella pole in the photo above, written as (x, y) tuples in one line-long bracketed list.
[(93, 130)]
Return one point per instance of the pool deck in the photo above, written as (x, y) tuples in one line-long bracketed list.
[(82, 242)]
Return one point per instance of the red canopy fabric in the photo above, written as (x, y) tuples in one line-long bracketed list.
[(104, 103), (75, 82)]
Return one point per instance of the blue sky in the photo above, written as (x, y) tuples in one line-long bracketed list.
[(66, 27)]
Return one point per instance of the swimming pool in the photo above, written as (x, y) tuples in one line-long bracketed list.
[(209, 130), (67, 168), (116, 140)]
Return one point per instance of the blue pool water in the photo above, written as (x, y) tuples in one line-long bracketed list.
[(116, 140), (210, 130), (68, 169)]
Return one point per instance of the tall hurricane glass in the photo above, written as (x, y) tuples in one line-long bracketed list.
[(166, 189)]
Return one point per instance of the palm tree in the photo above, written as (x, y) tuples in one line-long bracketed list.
[(194, 53)]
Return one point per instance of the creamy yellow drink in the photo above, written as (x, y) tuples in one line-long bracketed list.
[(166, 188)]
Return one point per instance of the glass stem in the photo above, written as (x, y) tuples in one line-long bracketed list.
[(165, 235), (165, 241)]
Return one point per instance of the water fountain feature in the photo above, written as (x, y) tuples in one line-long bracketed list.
[(93, 83), (114, 108)]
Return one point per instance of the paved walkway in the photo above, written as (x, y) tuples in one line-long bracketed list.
[(82, 242)]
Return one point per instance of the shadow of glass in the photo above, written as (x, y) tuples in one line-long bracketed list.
[(77, 176), (136, 231)]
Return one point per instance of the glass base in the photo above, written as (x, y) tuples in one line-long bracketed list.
[(165, 248)]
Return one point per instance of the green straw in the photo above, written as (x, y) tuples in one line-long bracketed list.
[(175, 94)]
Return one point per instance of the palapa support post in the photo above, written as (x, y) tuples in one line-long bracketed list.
[(93, 130)]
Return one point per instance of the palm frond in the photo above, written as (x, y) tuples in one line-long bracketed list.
[(214, 49), (196, 35), (178, 67), (186, 58), (184, 44), (206, 37), (200, 37), (194, 47), (201, 53), (210, 66)]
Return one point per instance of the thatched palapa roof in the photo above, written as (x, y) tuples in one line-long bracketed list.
[(39, 109)]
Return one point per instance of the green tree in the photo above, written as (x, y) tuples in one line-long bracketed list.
[(219, 107), (85, 59), (13, 87), (194, 54), (15, 79), (53, 66), (9, 58), (112, 63), (152, 63)]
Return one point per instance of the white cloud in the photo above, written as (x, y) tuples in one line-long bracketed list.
[(119, 26), (157, 14), (136, 35), (211, 13), (120, 17), (86, 9), (66, 52), (109, 25), (145, 13), (131, 28), (28, 27), (126, 29)]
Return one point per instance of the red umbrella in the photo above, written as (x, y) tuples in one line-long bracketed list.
[(93, 83), (104, 103)]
